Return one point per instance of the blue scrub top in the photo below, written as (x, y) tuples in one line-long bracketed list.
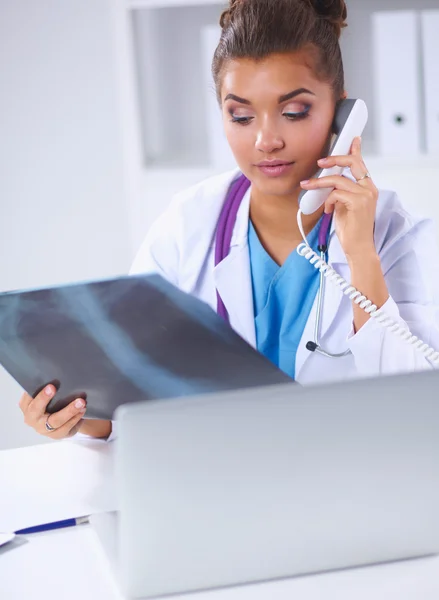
[(282, 300)]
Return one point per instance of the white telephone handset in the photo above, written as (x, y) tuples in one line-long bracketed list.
[(349, 122)]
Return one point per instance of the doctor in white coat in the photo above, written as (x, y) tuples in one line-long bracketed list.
[(179, 246), (279, 76)]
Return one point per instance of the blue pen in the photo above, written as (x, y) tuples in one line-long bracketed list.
[(54, 525)]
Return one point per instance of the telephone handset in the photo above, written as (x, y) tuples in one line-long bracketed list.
[(349, 122)]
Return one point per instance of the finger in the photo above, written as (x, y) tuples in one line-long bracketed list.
[(354, 161), (68, 429), (24, 402), (59, 419), (336, 161), (76, 427), (331, 181), (356, 147), (348, 200), (37, 406)]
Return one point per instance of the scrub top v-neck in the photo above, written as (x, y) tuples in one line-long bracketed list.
[(282, 300)]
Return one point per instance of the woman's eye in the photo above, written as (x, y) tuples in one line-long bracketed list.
[(241, 120), (291, 115), (296, 116)]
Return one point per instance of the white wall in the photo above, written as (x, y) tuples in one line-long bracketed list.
[(356, 45), (64, 216), (415, 181)]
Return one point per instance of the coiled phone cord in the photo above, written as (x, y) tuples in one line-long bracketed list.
[(305, 250)]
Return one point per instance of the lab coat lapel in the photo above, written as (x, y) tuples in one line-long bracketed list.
[(232, 278), (233, 282)]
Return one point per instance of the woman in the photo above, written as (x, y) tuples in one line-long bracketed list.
[(279, 76)]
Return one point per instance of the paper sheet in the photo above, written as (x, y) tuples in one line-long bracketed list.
[(5, 538), (51, 482)]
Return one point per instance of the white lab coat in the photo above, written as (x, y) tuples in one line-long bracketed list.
[(180, 246)]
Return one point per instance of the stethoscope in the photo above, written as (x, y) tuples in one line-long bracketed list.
[(223, 240)]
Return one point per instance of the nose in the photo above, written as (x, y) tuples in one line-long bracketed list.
[(268, 139)]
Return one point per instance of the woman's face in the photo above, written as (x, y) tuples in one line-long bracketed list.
[(276, 110)]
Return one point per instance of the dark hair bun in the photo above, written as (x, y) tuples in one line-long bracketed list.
[(334, 11), (227, 15)]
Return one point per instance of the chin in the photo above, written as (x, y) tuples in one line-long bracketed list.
[(277, 186)]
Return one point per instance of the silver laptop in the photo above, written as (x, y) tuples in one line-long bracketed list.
[(272, 482)]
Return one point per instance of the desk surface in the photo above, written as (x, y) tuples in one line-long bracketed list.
[(70, 563), (54, 481)]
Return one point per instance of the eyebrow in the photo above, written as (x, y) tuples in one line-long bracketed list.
[(284, 98)]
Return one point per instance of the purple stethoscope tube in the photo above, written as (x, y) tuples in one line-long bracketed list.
[(226, 223)]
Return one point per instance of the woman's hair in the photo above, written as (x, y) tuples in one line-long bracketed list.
[(257, 28)]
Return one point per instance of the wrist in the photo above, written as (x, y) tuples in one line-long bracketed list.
[(361, 259), (368, 278), (97, 428)]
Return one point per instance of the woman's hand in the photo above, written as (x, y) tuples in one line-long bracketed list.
[(65, 423), (354, 203)]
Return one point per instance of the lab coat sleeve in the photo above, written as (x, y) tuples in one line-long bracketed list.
[(411, 272), (157, 254), (159, 251)]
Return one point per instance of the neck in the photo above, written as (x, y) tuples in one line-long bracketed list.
[(276, 216)]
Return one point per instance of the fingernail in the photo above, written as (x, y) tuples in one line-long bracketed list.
[(79, 403), (322, 160), (48, 390), (304, 182)]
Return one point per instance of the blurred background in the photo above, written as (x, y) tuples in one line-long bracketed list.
[(107, 109)]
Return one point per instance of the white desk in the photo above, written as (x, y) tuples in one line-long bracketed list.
[(70, 563)]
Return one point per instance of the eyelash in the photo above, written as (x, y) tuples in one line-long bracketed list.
[(290, 116)]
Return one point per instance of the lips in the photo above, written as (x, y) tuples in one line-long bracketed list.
[(273, 163), (275, 168)]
